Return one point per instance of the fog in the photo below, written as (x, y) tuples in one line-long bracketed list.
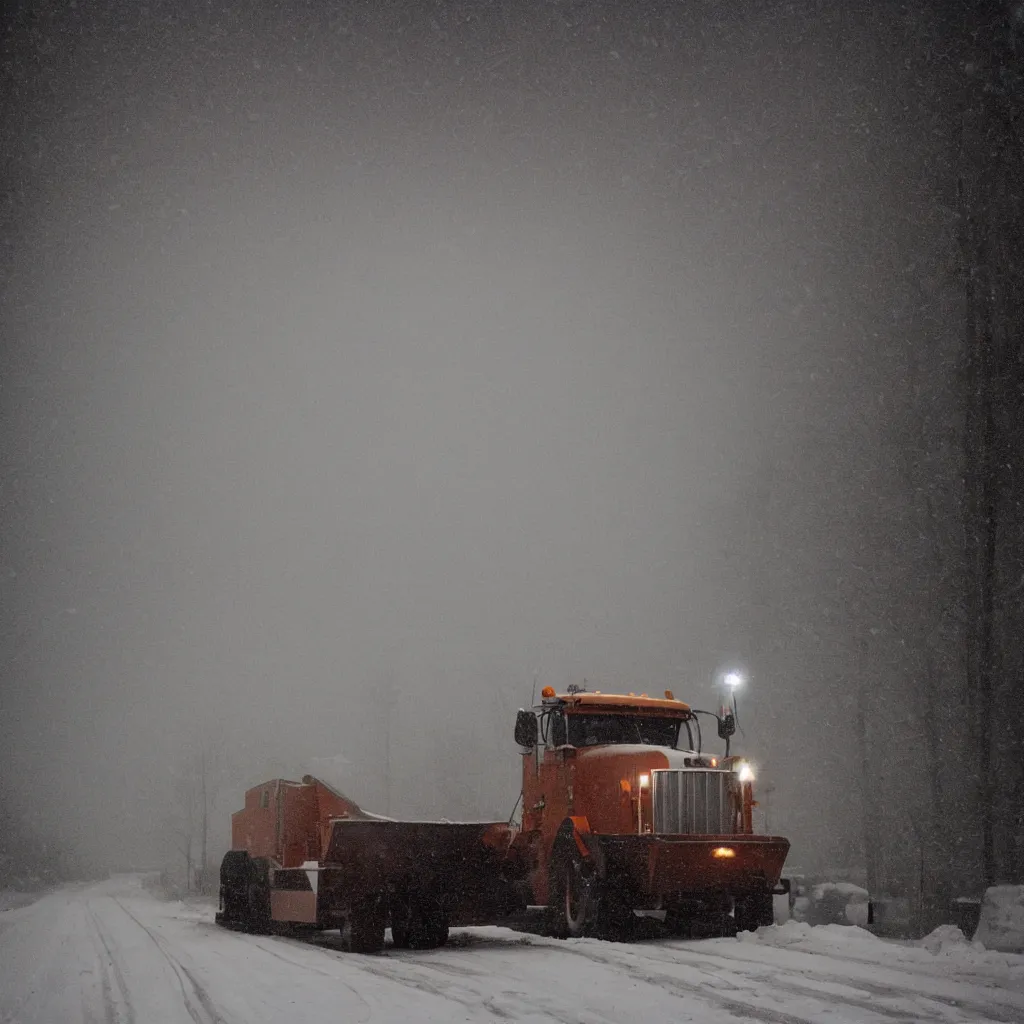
[(364, 366)]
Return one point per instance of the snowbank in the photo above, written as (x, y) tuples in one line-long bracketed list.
[(1002, 919), (793, 932), (847, 889), (841, 903), (11, 899), (945, 950), (947, 940)]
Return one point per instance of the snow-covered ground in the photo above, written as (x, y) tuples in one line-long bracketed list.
[(112, 953), (11, 899)]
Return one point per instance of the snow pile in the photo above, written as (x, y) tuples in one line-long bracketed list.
[(1002, 919), (826, 889), (793, 932), (778, 934), (780, 908), (948, 940), (838, 903)]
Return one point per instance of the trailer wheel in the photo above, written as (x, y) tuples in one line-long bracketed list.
[(366, 927)]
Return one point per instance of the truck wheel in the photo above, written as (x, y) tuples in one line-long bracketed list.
[(578, 899), (554, 915), (400, 935), (678, 924), (429, 934), (570, 897), (616, 921), (754, 911), (403, 923), (366, 927), (235, 870), (257, 916), (428, 924)]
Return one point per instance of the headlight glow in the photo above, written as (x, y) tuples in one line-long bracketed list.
[(746, 773)]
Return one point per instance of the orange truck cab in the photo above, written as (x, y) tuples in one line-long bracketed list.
[(623, 812)]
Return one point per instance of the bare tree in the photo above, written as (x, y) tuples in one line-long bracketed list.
[(992, 220), (196, 780), (183, 823)]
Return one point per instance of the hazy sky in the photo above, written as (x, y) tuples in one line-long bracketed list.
[(437, 346)]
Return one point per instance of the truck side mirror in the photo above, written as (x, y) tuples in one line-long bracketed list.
[(526, 728), (726, 725)]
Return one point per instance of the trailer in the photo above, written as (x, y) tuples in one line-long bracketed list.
[(623, 816)]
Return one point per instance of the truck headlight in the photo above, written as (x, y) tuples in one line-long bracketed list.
[(746, 773)]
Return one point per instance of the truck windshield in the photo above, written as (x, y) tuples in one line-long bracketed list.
[(591, 730)]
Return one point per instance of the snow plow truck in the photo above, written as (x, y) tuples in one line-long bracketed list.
[(623, 816)]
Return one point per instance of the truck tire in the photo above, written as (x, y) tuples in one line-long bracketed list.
[(366, 927), (400, 931), (554, 915), (616, 921), (235, 871), (754, 911), (406, 923), (571, 897), (578, 902), (428, 923), (258, 919)]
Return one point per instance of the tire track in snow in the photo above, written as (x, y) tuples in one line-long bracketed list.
[(734, 1005), (111, 977), (413, 971), (1004, 1013), (452, 993), (902, 966), (197, 1000), (305, 965)]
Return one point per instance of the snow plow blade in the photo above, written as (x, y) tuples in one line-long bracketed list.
[(666, 865)]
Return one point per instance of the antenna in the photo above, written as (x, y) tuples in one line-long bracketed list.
[(533, 693)]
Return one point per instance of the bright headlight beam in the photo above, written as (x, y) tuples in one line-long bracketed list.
[(732, 680)]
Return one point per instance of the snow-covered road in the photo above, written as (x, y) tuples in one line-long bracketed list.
[(113, 954)]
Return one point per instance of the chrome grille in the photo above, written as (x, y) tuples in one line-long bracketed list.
[(692, 802)]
